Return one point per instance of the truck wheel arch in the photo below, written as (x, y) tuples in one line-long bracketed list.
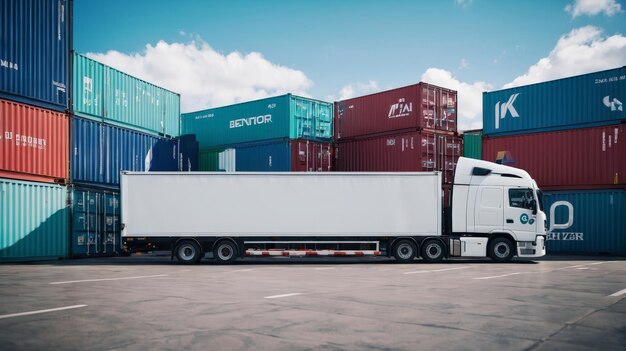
[(180, 240), (395, 240), (239, 252)]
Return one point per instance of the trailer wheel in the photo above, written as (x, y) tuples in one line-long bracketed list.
[(404, 251), (225, 252), (188, 252), (433, 251), (501, 250)]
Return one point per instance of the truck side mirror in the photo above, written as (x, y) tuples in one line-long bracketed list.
[(533, 206)]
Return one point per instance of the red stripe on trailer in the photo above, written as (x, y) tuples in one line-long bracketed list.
[(376, 252), (311, 253), (339, 253), (359, 253), (285, 253), (248, 253), (265, 253)]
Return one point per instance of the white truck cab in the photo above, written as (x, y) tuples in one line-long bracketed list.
[(491, 200)]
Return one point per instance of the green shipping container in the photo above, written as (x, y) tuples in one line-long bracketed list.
[(34, 221), (473, 144), (105, 94), (286, 116)]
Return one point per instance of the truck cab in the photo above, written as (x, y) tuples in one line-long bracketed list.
[(497, 211)]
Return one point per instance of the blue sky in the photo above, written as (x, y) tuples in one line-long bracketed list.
[(334, 49)]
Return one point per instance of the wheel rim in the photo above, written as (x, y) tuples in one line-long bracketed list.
[(225, 252), (501, 250), (405, 251), (187, 252), (433, 250)]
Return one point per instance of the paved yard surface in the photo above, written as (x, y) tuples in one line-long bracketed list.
[(147, 303)]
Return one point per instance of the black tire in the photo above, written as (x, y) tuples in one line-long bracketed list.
[(225, 252), (433, 251), (188, 252), (501, 250), (404, 251)]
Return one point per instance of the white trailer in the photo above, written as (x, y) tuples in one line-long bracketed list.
[(232, 215)]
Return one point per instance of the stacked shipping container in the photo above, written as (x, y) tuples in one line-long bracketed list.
[(34, 128), (567, 134), (280, 134), (119, 123), (408, 129)]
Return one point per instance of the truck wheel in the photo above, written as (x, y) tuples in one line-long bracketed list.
[(501, 250), (433, 251), (225, 252), (188, 252), (404, 251)]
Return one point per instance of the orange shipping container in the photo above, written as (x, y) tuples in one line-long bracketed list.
[(34, 143)]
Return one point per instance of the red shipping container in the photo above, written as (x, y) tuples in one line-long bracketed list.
[(415, 107), (404, 152), (34, 143), (569, 159), (311, 156)]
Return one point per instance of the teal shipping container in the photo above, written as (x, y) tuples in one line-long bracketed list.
[(473, 144), (95, 222), (286, 116), (34, 221), (105, 94), (594, 99)]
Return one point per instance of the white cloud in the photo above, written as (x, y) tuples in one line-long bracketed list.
[(593, 7), (470, 99), (206, 78), (582, 50), (356, 89)]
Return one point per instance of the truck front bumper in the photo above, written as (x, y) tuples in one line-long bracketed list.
[(528, 249)]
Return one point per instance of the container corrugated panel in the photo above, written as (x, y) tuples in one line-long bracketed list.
[(34, 221), (402, 152), (34, 52), (595, 225), (576, 102), (281, 117), (33, 143), (418, 106), (104, 93), (591, 157), (88, 87), (473, 144), (101, 151), (95, 222), (273, 156)]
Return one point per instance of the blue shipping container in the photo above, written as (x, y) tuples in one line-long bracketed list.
[(178, 154), (34, 52), (577, 102), (100, 152), (281, 117), (586, 222), (95, 222)]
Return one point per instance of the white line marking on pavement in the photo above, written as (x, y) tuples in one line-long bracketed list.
[(109, 279), (437, 270), (578, 266), (40, 311), (621, 292), (323, 268), (283, 295), (239, 270)]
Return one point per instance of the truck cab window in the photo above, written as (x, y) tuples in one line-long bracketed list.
[(520, 198)]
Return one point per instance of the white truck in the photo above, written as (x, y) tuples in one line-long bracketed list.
[(496, 212)]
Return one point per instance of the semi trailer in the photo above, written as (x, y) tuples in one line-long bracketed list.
[(496, 211)]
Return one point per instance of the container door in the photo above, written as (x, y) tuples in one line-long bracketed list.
[(111, 226), (518, 211), (429, 110)]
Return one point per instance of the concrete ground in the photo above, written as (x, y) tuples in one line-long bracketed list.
[(147, 303)]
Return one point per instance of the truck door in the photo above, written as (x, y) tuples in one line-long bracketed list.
[(488, 209), (518, 213)]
